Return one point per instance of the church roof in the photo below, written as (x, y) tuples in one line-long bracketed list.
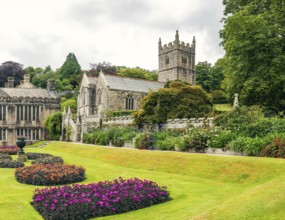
[(130, 84), (26, 92)]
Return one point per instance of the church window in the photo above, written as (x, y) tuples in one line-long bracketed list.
[(166, 60), (2, 134), (129, 102), (2, 112)]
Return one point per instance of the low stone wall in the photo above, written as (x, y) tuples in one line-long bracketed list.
[(186, 123)]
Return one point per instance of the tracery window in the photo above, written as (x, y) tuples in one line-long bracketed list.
[(129, 102)]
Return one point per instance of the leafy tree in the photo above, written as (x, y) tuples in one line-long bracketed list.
[(11, 68), (70, 70), (105, 67), (40, 80), (254, 40), (177, 101), (53, 125), (208, 76), (138, 73)]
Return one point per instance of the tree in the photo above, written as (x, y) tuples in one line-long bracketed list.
[(254, 40), (177, 101), (137, 73), (53, 125), (70, 70), (105, 67), (11, 68), (40, 80)]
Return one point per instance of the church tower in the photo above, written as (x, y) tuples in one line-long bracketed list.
[(176, 60)]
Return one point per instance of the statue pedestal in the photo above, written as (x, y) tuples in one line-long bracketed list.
[(21, 157)]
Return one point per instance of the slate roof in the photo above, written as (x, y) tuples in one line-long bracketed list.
[(26, 92), (130, 84)]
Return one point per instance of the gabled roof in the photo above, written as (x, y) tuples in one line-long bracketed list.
[(130, 84), (26, 92)]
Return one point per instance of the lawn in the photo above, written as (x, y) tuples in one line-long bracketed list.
[(201, 186)]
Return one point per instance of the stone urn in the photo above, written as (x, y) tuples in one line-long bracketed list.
[(21, 143)]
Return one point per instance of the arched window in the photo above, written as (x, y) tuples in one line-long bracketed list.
[(129, 102)]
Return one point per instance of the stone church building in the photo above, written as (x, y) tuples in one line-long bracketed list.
[(97, 95), (23, 110)]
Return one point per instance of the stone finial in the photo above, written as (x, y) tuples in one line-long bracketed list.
[(159, 44), (193, 42), (236, 104), (177, 37), (77, 120), (64, 111), (69, 111)]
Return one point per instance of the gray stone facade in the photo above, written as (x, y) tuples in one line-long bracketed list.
[(23, 110), (176, 60)]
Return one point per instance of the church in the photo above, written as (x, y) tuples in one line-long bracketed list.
[(23, 110), (97, 95)]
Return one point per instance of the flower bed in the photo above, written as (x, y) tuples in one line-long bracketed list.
[(50, 174), (97, 199), (33, 156), (48, 160), (5, 156), (7, 163), (12, 150)]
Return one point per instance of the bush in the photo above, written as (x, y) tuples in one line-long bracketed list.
[(219, 97), (12, 150), (170, 143), (222, 139), (50, 174), (144, 140), (33, 156), (48, 160), (7, 163), (97, 199), (276, 149), (5, 156)]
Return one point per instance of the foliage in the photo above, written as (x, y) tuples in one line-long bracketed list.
[(137, 73), (70, 70), (222, 139), (219, 97), (48, 160), (144, 140), (275, 149), (105, 67), (12, 150), (7, 163), (209, 77), (254, 41), (40, 80), (50, 174), (4, 156), (53, 125), (178, 101), (34, 155), (170, 143), (98, 199), (69, 102), (9, 69)]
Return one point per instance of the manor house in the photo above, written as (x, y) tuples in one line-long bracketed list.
[(98, 95), (23, 110)]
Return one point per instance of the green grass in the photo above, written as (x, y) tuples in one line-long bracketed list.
[(223, 107), (201, 186)]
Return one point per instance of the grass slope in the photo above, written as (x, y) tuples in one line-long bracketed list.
[(202, 186)]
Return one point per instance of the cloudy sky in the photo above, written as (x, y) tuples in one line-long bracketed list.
[(123, 32)]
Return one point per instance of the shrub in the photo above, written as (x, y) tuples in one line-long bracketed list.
[(12, 150), (50, 174), (222, 139), (33, 156), (97, 199), (48, 160), (7, 163), (170, 143), (275, 149), (144, 140), (5, 156)]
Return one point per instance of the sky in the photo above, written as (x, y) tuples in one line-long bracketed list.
[(39, 33)]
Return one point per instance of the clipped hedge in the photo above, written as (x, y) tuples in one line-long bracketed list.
[(50, 174), (33, 156), (4, 156), (97, 199), (7, 163), (48, 160)]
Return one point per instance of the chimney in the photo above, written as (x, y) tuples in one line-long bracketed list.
[(50, 85), (10, 83), (26, 78)]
